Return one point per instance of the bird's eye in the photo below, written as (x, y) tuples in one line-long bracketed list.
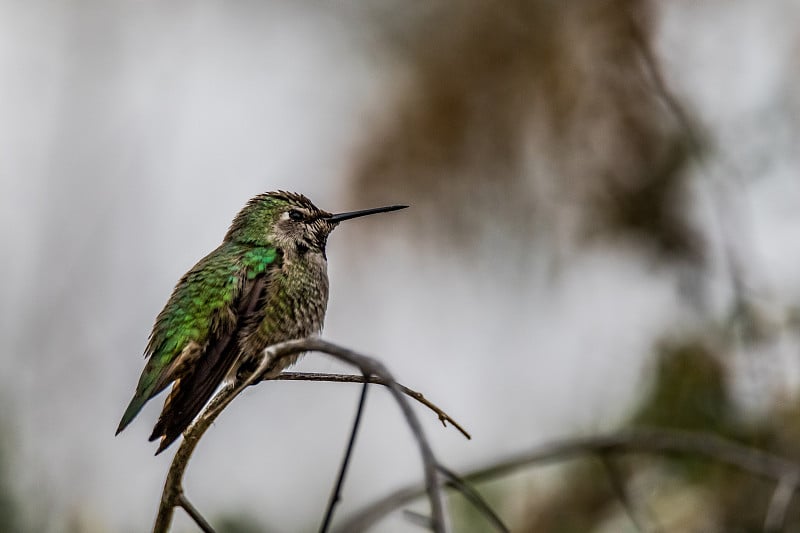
[(294, 214)]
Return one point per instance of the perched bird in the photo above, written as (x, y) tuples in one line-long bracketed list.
[(266, 283)]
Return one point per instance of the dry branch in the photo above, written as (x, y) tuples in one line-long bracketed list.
[(641, 519), (346, 378), (647, 441), (473, 497), (779, 503), (336, 494), (172, 495), (194, 514)]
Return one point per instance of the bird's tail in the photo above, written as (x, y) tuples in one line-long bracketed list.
[(152, 381), (191, 392), (133, 409)]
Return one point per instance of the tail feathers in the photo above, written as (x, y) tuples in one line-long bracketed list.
[(190, 394), (151, 383), (133, 409)]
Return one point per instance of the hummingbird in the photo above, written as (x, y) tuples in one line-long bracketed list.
[(266, 283)]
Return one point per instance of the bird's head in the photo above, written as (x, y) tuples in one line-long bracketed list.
[(290, 221)]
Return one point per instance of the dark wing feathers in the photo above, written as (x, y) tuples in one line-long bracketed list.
[(191, 392)]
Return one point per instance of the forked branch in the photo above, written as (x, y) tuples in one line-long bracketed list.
[(172, 495)]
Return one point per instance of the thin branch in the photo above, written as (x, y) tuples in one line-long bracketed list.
[(779, 504), (641, 519), (347, 378), (647, 441), (367, 365), (195, 514), (731, 228), (173, 486), (643, 45), (474, 497), (418, 519), (337, 490)]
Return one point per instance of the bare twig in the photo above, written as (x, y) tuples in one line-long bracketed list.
[(643, 46), (418, 519), (195, 514), (641, 518), (337, 490), (649, 441), (173, 486), (732, 228), (369, 366), (477, 501), (779, 504), (347, 378)]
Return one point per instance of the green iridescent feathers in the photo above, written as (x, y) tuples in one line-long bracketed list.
[(201, 306)]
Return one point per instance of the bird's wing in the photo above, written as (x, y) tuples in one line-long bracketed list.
[(193, 341)]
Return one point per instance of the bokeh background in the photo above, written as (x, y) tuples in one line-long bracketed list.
[(605, 232)]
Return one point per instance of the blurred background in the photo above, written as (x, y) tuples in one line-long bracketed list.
[(605, 232)]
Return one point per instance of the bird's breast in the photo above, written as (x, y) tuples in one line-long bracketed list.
[(294, 307), (305, 287)]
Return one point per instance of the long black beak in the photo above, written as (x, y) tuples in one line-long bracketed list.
[(338, 217)]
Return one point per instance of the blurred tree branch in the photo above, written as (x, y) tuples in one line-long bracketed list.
[(665, 442), (474, 498), (641, 518), (779, 504)]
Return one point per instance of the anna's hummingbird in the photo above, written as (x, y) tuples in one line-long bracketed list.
[(266, 283)]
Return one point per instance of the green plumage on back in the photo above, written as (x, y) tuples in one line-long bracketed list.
[(201, 301)]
